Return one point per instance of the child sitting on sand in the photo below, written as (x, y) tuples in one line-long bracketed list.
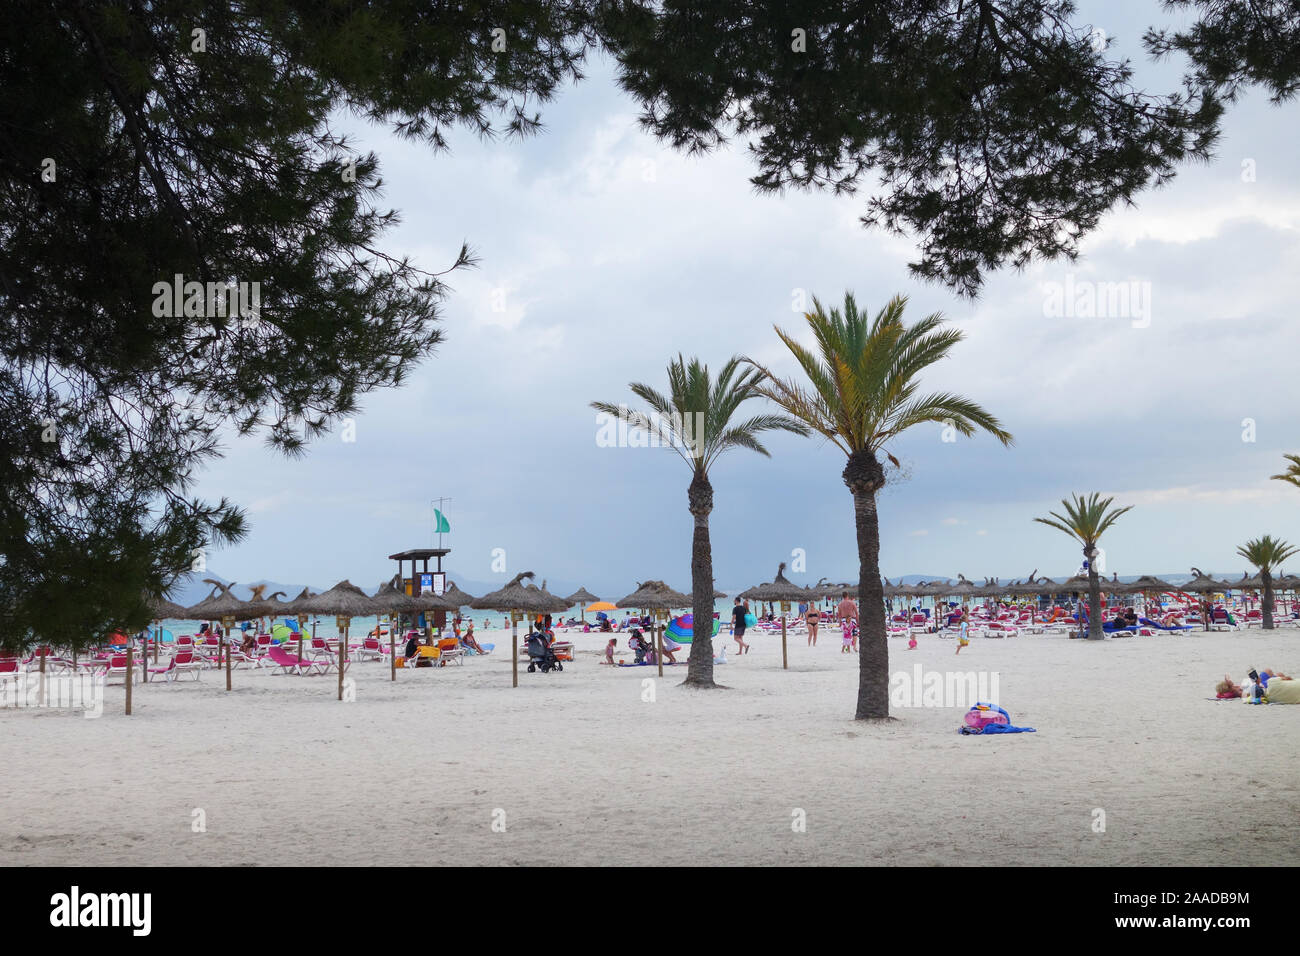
[(637, 645), (911, 643), (609, 651)]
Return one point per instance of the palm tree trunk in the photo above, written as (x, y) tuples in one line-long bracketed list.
[(1095, 632), (1266, 579), (699, 672), (864, 477)]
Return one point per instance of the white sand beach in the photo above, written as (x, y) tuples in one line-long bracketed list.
[(588, 772)]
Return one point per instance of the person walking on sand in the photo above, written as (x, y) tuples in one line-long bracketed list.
[(963, 637), (812, 619), (738, 625), (846, 612)]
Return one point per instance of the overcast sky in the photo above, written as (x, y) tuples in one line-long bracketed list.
[(611, 253)]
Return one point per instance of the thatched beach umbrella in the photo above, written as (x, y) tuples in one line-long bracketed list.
[(963, 589), (661, 599), (582, 597), (1028, 587), (456, 596), (388, 600), (783, 591), (297, 609), (1145, 585), (517, 600), (345, 601), (227, 609), (162, 610), (1205, 586)]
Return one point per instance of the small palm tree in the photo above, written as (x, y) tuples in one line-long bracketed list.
[(1292, 473), (861, 394), (695, 420), (1086, 520), (1267, 553)]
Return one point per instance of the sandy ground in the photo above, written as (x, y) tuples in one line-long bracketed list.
[(597, 766)]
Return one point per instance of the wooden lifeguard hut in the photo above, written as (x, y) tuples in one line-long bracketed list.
[(420, 579)]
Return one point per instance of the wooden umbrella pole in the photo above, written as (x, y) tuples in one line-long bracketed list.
[(392, 648), (227, 630), (785, 661), (659, 648), (343, 657), (130, 656), (514, 651), (41, 689)]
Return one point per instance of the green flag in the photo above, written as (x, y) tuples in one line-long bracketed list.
[(440, 522)]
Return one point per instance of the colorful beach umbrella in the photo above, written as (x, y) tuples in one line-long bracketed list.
[(683, 628)]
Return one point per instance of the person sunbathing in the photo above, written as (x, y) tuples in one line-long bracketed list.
[(1227, 688), (469, 641)]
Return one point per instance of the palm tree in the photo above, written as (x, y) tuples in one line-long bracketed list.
[(1087, 519), (695, 420), (861, 394), (1267, 553), (1292, 473)]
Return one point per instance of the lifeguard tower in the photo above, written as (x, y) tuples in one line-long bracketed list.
[(421, 579)]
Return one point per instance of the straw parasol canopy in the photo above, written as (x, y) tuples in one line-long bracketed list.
[(934, 589), (890, 590), (1077, 583), (295, 606), (517, 596), (835, 590), (779, 589), (1247, 583), (718, 595), (991, 588), (345, 599), (656, 596), (581, 596), (163, 609), (261, 606), (456, 596), (1204, 584), (962, 588), (1030, 587), (216, 607), (1148, 584), (389, 600), (1287, 582)]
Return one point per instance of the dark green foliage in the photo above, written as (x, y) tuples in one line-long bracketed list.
[(1236, 43), (998, 130), (218, 165)]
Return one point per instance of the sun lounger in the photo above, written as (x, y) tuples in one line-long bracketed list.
[(287, 663), (449, 649), (182, 662)]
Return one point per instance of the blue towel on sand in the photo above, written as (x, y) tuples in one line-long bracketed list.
[(996, 729)]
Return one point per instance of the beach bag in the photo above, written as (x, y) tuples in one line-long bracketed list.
[(750, 620), (981, 715)]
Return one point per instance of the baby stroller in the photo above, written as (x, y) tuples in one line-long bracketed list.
[(540, 655)]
